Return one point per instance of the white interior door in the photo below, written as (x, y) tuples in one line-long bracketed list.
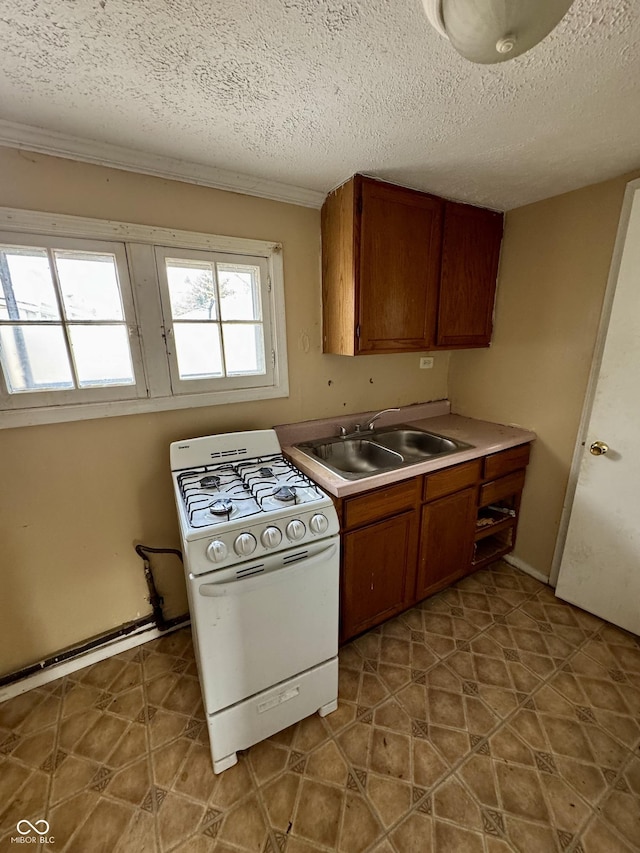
[(600, 566)]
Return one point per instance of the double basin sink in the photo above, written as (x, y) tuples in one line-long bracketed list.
[(373, 451)]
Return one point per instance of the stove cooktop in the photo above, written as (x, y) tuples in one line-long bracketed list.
[(238, 497), (218, 494)]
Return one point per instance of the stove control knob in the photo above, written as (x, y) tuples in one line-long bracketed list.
[(271, 537), (216, 551), (319, 523), (245, 544), (296, 530)]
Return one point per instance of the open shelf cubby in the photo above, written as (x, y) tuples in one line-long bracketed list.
[(496, 516), (493, 546), (495, 530)]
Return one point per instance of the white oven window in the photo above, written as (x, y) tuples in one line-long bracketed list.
[(156, 319)]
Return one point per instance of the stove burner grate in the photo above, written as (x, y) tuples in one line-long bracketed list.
[(220, 493)]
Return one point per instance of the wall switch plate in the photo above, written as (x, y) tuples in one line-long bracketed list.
[(426, 362)]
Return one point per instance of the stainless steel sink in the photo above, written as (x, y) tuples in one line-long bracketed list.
[(357, 456), (386, 449), (415, 442)]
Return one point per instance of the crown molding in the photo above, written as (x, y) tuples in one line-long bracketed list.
[(22, 136)]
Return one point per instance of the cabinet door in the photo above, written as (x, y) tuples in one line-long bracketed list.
[(400, 234), (446, 541), (470, 253), (338, 281), (378, 572)]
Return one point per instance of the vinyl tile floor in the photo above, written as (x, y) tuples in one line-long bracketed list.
[(490, 718)]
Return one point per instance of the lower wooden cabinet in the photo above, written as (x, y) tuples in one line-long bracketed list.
[(404, 542), (447, 530), (378, 572)]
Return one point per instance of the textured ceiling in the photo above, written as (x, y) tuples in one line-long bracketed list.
[(307, 92)]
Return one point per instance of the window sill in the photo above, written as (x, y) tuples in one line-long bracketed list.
[(90, 411)]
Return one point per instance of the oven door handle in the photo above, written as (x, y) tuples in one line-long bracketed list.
[(219, 590)]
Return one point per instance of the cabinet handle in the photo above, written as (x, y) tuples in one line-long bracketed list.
[(599, 448)]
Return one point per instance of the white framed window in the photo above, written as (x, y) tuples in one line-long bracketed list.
[(68, 332), (155, 319), (214, 320)]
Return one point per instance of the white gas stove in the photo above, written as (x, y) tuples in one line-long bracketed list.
[(261, 551)]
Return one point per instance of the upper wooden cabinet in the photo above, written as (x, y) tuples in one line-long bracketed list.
[(385, 284), (380, 268), (470, 254)]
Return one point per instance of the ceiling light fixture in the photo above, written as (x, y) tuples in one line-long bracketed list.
[(488, 31)]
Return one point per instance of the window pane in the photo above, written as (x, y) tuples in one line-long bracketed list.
[(198, 350), (243, 348), (239, 292), (27, 291), (192, 290), (34, 358), (89, 285), (102, 355)]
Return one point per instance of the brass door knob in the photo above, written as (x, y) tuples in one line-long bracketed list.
[(599, 448)]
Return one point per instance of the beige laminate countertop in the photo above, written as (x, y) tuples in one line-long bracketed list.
[(484, 436)]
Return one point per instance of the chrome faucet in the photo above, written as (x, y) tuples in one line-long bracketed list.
[(343, 432), (370, 423)]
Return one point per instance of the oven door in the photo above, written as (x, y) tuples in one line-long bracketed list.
[(262, 622)]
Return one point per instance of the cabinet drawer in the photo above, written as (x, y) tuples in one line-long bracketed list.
[(381, 503), (506, 461), (502, 488), (451, 480)]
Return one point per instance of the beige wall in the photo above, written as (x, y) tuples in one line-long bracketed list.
[(553, 273), (75, 497)]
